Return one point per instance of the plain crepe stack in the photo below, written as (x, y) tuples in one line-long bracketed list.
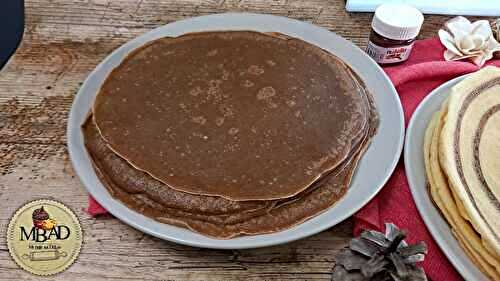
[(230, 133), (462, 159)]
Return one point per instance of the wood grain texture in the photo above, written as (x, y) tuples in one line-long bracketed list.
[(64, 40)]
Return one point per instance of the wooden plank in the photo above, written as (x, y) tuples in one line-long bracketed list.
[(63, 42)]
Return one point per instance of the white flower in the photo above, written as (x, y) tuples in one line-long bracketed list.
[(464, 39)]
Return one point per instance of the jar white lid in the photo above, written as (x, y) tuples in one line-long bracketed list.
[(397, 21)]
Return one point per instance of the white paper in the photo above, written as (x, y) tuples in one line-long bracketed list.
[(443, 7)]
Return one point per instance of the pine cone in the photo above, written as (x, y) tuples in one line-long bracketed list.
[(375, 256)]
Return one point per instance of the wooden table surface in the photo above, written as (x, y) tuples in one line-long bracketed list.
[(63, 41)]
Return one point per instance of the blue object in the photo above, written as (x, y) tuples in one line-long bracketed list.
[(11, 28)]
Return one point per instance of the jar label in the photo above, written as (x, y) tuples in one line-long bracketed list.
[(388, 54)]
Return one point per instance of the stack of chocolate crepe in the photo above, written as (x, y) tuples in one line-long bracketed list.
[(230, 133), (462, 160)]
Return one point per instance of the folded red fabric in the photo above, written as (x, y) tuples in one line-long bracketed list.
[(94, 208), (414, 79)]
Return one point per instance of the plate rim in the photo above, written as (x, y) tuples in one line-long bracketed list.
[(441, 240), (251, 241)]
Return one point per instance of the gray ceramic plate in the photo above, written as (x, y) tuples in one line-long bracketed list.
[(374, 169), (415, 171)]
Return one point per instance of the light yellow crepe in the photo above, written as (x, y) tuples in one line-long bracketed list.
[(469, 152), (443, 198)]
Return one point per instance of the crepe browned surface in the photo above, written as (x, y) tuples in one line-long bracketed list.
[(239, 115), (133, 181), (470, 152), (461, 153), (216, 216)]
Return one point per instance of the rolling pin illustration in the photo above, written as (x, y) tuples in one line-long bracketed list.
[(45, 255)]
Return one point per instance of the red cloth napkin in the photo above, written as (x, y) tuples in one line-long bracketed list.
[(414, 79), (94, 208)]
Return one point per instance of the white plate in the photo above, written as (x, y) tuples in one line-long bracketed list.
[(415, 171), (373, 171)]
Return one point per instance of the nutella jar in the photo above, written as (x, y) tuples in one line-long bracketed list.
[(394, 29)]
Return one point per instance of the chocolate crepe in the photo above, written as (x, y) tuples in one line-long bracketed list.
[(133, 181), (308, 127), (216, 216), (240, 115)]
